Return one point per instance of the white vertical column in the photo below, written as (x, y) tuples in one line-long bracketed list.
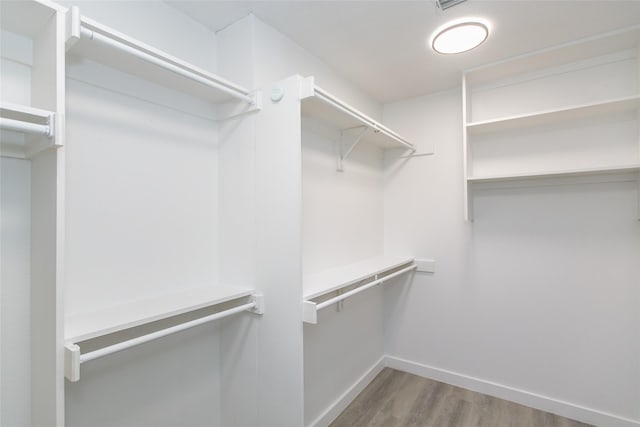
[(47, 234), (279, 263), (466, 149), (638, 123)]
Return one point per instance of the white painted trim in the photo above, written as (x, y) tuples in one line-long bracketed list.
[(341, 403), (534, 400)]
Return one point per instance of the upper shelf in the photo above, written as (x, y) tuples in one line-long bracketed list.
[(321, 105), (590, 47), (547, 117), (84, 326), (27, 18), (105, 45)]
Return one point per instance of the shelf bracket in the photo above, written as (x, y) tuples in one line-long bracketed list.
[(233, 110), (344, 153), (340, 304), (258, 308)]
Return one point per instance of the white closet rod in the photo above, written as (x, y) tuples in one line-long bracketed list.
[(377, 127), (163, 333), (26, 127), (236, 93), (363, 288)]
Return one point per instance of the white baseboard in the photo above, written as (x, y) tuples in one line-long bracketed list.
[(340, 404), (544, 403)]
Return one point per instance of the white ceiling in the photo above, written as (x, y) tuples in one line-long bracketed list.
[(382, 45)]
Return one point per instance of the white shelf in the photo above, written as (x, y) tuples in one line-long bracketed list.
[(591, 82), (318, 284), (608, 170), (99, 43), (25, 17), (83, 326), (590, 47), (577, 112), (326, 108), (374, 270)]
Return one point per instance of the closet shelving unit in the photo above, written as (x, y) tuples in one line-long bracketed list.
[(182, 309), (28, 128), (557, 91), (332, 286), (355, 127)]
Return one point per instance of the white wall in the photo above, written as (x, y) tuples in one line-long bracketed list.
[(342, 223), (15, 295), (539, 295), (15, 282), (342, 211), (256, 55), (141, 221)]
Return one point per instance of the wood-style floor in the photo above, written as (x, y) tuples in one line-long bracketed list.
[(396, 398)]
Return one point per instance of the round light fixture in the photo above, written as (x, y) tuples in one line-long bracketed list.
[(460, 35)]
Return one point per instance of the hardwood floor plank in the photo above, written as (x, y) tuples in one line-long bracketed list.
[(399, 399), (375, 396)]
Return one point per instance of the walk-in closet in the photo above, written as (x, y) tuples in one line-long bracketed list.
[(309, 213)]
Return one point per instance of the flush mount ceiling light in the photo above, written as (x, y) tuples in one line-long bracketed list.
[(460, 35)]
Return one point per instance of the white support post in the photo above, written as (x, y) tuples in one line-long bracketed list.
[(466, 152)]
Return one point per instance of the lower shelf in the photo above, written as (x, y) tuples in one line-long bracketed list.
[(85, 326), (319, 289), (621, 173), (101, 323)]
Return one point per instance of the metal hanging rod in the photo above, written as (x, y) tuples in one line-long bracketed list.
[(363, 288), (73, 357), (208, 81), (374, 125), (26, 127)]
